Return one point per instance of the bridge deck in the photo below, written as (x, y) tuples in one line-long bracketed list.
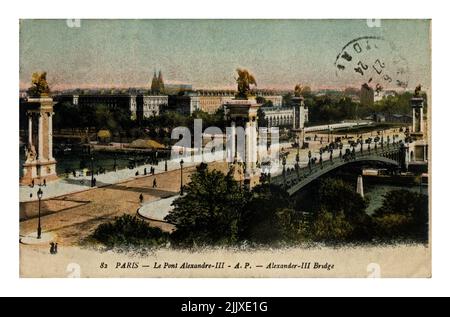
[(296, 180)]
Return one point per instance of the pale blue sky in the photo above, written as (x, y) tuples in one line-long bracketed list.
[(206, 53)]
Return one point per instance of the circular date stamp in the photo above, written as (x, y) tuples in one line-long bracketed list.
[(373, 60)]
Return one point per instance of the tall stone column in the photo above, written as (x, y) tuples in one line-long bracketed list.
[(247, 146), (30, 129), (233, 149), (414, 119), (50, 136), (421, 120), (359, 186), (41, 137)]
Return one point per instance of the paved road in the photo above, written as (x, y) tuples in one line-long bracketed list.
[(75, 223)]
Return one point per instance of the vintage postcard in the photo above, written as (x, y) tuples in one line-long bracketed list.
[(225, 148)]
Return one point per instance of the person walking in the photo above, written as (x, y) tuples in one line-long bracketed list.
[(141, 198), (154, 183)]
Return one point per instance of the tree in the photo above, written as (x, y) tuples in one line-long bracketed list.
[(129, 230), (262, 121), (404, 214), (331, 227), (268, 216), (287, 99), (209, 212), (339, 199)]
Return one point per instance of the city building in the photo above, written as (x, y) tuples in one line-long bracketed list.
[(384, 94), (210, 101), (184, 104), (149, 105), (279, 116)]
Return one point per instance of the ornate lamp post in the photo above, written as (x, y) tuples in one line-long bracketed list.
[(92, 170), (309, 160), (181, 183), (331, 156), (39, 229), (320, 158)]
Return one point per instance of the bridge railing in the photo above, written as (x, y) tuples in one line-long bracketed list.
[(293, 176)]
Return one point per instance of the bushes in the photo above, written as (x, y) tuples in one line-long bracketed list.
[(216, 211), (404, 214), (129, 230)]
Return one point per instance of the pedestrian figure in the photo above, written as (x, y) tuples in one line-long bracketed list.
[(32, 183), (137, 173), (141, 198), (45, 183), (56, 248), (153, 171), (154, 183), (145, 171), (94, 182), (52, 248)]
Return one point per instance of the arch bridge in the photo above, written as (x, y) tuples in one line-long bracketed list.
[(294, 180)]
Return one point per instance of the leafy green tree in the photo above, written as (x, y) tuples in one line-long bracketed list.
[(331, 227), (129, 230), (209, 212), (262, 121), (338, 198), (404, 214), (268, 217), (287, 99)]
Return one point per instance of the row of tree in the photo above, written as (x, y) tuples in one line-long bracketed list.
[(118, 121), (216, 210)]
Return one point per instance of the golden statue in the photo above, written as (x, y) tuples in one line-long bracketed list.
[(40, 85), (417, 91), (300, 90), (244, 80)]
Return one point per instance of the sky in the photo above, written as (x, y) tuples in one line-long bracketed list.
[(206, 53)]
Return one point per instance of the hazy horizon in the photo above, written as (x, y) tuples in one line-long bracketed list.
[(206, 53)]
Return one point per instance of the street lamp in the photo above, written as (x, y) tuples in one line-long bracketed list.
[(92, 170), (320, 158), (181, 171), (39, 229)]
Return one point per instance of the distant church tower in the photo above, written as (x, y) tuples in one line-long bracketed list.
[(160, 82), (157, 83)]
